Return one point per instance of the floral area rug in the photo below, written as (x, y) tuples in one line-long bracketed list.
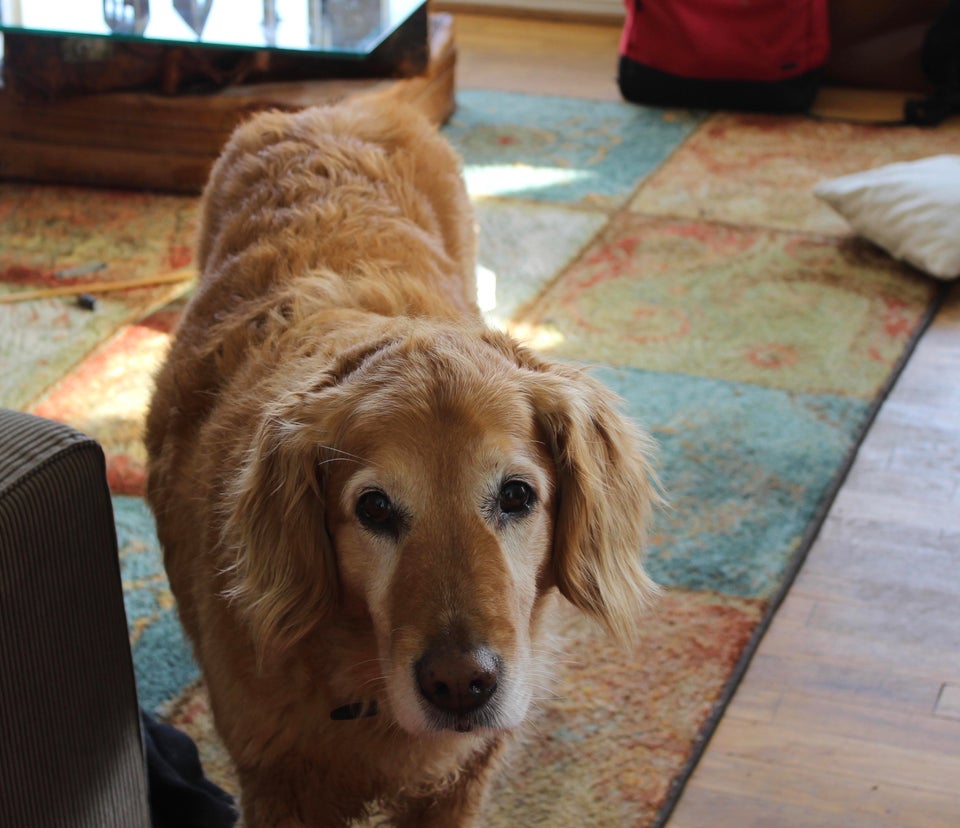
[(684, 256)]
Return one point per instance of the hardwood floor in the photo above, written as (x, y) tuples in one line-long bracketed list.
[(850, 712), (549, 57)]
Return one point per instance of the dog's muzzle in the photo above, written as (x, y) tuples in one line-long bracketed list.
[(458, 683)]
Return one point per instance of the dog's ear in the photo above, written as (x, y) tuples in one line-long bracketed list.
[(282, 568), (282, 573), (606, 493)]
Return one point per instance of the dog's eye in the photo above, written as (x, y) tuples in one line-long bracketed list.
[(515, 496), (376, 512)]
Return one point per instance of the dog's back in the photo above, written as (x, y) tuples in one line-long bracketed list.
[(328, 187)]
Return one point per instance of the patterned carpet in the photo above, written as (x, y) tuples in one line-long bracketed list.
[(685, 256)]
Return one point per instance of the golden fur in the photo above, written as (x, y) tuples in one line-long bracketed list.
[(364, 496)]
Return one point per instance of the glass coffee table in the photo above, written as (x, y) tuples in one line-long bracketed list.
[(57, 46), (143, 93), (314, 28)]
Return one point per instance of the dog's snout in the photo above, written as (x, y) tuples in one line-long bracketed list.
[(458, 680)]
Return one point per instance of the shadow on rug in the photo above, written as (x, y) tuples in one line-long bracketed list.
[(683, 256)]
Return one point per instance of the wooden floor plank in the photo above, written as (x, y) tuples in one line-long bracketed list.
[(738, 793), (786, 749), (929, 726)]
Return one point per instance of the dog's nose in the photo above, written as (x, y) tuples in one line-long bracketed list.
[(457, 680)]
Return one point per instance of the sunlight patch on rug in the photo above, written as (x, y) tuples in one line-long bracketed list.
[(554, 149), (499, 179), (524, 246)]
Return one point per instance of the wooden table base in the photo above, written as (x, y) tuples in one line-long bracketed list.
[(143, 140)]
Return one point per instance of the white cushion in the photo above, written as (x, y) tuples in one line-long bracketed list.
[(911, 210)]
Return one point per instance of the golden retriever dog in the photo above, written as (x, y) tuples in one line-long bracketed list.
[(367, 500)]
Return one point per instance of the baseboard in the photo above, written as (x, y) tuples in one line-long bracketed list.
[(585, 11)]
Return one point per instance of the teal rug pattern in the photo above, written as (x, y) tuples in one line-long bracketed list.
[(679, 255), (746, 467), (162, 659)]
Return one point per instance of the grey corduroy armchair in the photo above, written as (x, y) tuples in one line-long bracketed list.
[(71, 750)]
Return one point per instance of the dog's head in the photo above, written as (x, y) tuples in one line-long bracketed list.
[(439, 484)]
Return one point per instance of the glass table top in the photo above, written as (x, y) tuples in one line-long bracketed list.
[(344, 28)]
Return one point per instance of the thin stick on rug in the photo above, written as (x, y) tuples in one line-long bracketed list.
[(182, 275)]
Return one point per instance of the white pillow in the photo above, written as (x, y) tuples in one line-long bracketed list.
[(912, 210)]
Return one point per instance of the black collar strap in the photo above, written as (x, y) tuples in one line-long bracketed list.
[(357, 710)]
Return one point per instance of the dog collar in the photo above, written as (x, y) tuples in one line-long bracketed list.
[(357, 710)]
